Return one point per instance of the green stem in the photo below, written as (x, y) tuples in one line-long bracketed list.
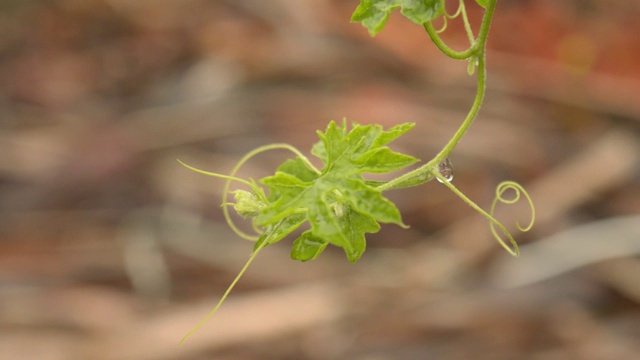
[(442, 46), (227, 292), (422, 174)]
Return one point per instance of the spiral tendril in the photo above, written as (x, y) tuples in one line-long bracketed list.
[(493, 222), (518, 192), (247, 157)]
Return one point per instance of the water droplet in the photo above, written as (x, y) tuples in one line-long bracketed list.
[(445, 168)]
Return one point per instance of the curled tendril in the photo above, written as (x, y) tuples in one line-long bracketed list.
[(254, 187), (444, 24), (457, 13), (465, 21), (447, 16), (518, 191), (493, 222), (247, 157)]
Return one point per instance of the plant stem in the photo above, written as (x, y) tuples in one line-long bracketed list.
[(440, 44), (477, 50), (254, 254)]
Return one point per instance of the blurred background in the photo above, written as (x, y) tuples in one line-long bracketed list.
[(110, 250)]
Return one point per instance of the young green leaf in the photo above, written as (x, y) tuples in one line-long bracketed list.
[(383, 160), (358, 224), (307, 247), (369, 201), (483, 3), (362, 149), (338, 203), (388, 136), (374, 14), (278, 231), (299, 169)]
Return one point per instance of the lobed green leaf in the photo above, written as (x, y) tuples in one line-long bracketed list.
[(383, 160), (338, 203), (280, 230), (369, 201), (307, 247), (374, 14), (483, 3), (388, 136), (357, 225), (296, 167)]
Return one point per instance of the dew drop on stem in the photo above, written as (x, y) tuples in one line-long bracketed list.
[(445, 168)]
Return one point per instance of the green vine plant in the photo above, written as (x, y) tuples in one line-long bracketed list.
[(338, 203)]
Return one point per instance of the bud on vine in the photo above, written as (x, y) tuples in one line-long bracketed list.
[(247, 204), (338, 209)]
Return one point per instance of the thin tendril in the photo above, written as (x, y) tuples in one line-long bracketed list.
[(226, 293), (518, 189), (444, 25), (465, 21), (513, 250), (457, 13), (225, 191), (446, 17), (221, 176)]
